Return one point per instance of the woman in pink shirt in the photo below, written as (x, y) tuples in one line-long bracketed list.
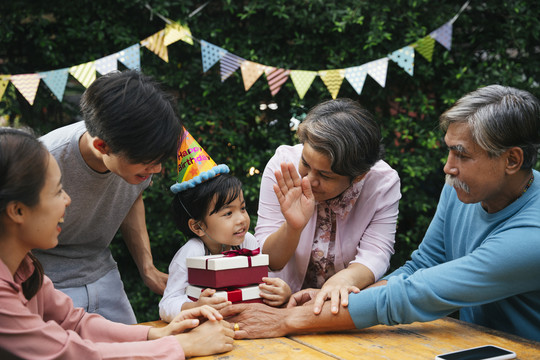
[(328, 207), (39, 322)]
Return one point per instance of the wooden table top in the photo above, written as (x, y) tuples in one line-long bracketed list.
[(413, 341)]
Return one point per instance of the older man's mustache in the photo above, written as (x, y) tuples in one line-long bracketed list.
[(456, 183)]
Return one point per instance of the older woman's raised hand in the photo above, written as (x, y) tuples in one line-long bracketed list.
[(294, 195)]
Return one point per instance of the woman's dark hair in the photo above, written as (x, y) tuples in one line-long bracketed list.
[(23, 164), (133, 115), (195, 203)]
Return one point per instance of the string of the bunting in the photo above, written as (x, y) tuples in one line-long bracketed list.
[(85, 73)]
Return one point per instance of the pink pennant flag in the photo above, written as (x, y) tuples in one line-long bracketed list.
[(155, 43), (27, 84), (251, 71), (276, 78)]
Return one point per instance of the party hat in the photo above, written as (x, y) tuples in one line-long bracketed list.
[(194, 164)]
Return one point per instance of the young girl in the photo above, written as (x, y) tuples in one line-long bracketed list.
[(214, 215), (39, 322)]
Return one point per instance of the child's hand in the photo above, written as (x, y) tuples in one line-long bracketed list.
[(274, 291), (206, 298)]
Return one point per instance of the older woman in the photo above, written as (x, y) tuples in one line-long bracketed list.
[(39, 322), (328, 207)]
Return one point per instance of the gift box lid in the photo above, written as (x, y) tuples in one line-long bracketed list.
[(231, 294), (221, 262)]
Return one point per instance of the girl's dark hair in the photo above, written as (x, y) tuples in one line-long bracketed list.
[(23, 164), (195, 203)]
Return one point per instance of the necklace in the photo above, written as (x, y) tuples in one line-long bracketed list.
[(528, 185)]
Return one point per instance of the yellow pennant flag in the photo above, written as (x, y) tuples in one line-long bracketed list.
[(425, 47), (4, 81), (302, 80), (155, 43), (27, 84), (251, 71), (333, 80), (175, 31), (84, 73)]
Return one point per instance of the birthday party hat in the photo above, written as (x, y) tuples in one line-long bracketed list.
[(194, 164)]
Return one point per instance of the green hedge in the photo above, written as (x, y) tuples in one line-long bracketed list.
[(493, 42)]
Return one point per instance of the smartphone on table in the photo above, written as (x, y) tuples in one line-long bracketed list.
[(486, 352)]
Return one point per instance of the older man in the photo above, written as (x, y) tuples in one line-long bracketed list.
[(481, 252)]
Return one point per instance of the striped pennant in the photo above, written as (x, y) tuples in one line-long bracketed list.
[(27, 84), (229, 64), (130, 57), (85, 73), (302, 80), (377, 69), (107, 64), (175, 31), (251, 71), (333, 80), (56, 81), (155, 43), (4, 82), (276, 78)]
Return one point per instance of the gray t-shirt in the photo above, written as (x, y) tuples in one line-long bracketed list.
[(99, 204)]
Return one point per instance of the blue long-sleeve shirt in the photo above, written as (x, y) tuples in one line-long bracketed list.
[(485, 265)]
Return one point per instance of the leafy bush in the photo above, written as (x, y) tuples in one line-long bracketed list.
[(493, 42)]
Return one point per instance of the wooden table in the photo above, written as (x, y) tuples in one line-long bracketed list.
[(414, 341)]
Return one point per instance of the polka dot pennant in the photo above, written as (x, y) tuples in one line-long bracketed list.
[(356, 76), (56, 81), (131, 57), (107, 64), (404, 57), (302, 80), (251, 71), (443, 35), (377, 70), (210, 54)]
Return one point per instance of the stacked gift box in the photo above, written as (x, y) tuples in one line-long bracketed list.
[(235, 275)]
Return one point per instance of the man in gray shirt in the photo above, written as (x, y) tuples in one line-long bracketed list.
[(130, 126)]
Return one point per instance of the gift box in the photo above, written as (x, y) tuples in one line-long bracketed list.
[(246, 294), (220, 271)]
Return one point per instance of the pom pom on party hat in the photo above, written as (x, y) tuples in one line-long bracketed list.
[(194, 164)]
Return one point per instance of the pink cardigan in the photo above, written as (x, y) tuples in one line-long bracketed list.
[(49, 327), (366, 235)]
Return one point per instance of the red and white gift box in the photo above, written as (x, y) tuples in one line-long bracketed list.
[(246, 294), (219, 271)]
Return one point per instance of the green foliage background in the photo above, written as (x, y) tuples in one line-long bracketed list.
[(493, 42)]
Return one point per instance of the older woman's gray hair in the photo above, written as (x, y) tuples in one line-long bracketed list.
[(499, 118), (345, 132)]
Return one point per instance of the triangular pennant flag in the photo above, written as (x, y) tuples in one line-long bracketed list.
[(276, 78), (4, 82), (425, 47), (356, 76), (130, 57), (85, 73), (443, 35), (155, 44), (27, 84), (56, 81), (333, 80), (107, 64), (251, 71), (302, 80), (229, 64), (377, 70), (404, 57), (211, 54), (175, 31)]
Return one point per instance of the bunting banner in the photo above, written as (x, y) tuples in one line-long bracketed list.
[(27, 84), (130, 57), (56, 81)]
